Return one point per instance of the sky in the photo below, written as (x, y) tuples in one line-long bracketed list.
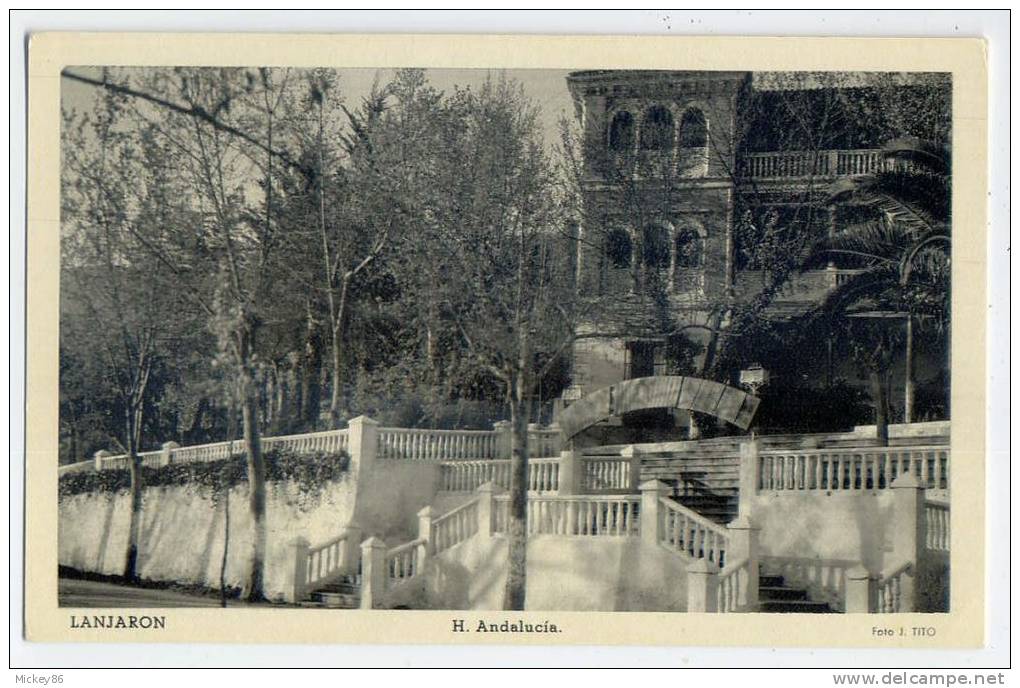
[(546, 87)]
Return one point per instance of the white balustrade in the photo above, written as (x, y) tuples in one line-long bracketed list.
[(454, 527), (327, 442), (731, 587), (543, 475), (403, 562), (76, 467), (437, 445), (936, 517), (465, 476), (606, 473), (587, 515), (893, 589), (852, 469), (326, 560), (684, 530)]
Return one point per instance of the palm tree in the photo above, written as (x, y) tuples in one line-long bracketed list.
[(902, 254)]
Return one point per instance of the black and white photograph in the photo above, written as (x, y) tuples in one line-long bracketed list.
[(604, 340)]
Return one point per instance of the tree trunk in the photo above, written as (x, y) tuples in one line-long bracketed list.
[(337, 332), (225, 488), (881, 408), (311, 390), (337, 380), (135, 523), (517, 556), (908, 373), (255, 590), (192, 434)]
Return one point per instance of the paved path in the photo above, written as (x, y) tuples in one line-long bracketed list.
[(72, 592)]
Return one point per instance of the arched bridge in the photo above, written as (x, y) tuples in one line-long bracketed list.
[(733, 405)]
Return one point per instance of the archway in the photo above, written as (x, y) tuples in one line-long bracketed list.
[(735, 406)]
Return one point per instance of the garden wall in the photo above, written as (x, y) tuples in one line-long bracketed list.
[(182, 535), (564, 573)]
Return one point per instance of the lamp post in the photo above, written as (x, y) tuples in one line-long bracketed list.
[(754, 377)]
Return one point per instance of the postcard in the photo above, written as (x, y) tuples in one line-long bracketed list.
[(506, 339)]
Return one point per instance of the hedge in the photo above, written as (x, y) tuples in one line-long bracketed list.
[(310, 471)]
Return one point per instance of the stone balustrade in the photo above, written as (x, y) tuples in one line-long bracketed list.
[(582, 515), (920, 537), (384, 569), (409, 444), (936, 518), (823, 163), (323, 563), (852, 469)]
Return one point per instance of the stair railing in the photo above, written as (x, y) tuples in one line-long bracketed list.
[(386, 571), (895, 589), (405, 561), (315, 566), (686, 531), (733, 586)]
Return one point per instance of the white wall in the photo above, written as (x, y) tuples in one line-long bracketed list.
[(183, 529), (564, 573), (182, 534), (813, 539)]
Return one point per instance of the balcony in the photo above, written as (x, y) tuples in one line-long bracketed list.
[(828, 164)]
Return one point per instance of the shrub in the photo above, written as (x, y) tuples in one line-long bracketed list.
[(309, 471)]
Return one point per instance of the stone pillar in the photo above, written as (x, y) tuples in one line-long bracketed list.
[(749, 476), (633, 455), (534, 443), (297, 587), (363, 442), (373, 572), (557, 438), (425, 533), (97, 459), (503, 431), (702, 582), (861, 591), (744, 546), (167, 453), (908, 533), (485, 506), (351, 549), (571, 473), (651, 492)]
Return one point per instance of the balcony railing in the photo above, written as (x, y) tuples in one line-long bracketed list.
[(825, 163)]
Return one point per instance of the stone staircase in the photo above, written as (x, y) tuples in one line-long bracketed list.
[(344, 593), (776, 597), (718, 507)]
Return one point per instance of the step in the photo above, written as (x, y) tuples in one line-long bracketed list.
[(337, 600), (769, 593), (341, 588), (770, 581), (794, 607)]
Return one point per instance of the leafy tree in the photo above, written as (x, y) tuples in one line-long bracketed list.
[(510, 297), (118, 315)]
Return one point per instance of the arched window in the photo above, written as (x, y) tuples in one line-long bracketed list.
[(621, 132), (657, 129), (656, 246), (689, 248), (693, 129), (618, 248)]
